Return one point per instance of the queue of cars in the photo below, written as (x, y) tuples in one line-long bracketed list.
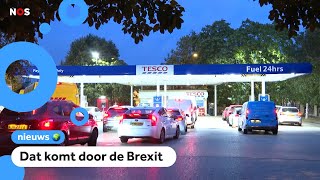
[(260, 115)]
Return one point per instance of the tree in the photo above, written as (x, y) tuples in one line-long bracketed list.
[(81, 54), (218, 43), (138, 18), (292, 14)]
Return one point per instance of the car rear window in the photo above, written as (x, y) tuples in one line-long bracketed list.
[(117, 111), (140, 111), (173, 112), (9, 113), (261, 107), (294, 110)]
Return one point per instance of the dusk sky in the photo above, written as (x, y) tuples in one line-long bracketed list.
[(155, 48)]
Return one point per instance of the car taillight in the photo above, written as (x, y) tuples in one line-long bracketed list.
[(179, 118), (247, 113), (299, 114), (46, 124), (105, 115), (153, 120)]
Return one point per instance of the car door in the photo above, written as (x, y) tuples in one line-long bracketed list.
[(85, 130), (165, 121), (171, 121), (74, 130)]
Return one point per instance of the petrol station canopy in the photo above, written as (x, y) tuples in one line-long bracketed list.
[(152, 75)]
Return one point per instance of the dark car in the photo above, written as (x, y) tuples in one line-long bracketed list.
[(112, 117), (54, 115)]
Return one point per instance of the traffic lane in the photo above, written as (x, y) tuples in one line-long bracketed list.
[(215, 150)]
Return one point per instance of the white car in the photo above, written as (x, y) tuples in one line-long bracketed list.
[(148, 122), (95, 112), (289, 115), (234, 117)]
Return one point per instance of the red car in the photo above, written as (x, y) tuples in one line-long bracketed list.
[(227, 111), (54, 115)]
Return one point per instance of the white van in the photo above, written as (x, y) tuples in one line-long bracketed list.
[(189, 108)]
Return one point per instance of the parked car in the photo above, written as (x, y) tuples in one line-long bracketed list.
[(289, 115), (112, 117), (258, 115), (177, 114), (234, 116), (96, 112), (278, 108), (54, 115), (148, 122), (224, 113), (230, 110)]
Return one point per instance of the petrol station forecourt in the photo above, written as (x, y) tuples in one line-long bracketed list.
[(164, 75)]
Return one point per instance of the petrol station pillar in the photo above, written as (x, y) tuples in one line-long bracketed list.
[(252, 91), (82, 94), (131, 95), (215, 100), (165, 95), (263, 87)]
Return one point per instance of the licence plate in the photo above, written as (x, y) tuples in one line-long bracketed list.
[(136, 123), (255, 121), (17, 127)]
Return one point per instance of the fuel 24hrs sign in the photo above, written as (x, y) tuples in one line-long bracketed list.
[(264, 69)]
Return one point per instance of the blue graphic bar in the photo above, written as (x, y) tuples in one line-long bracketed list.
[(37, 137), (207, 69)]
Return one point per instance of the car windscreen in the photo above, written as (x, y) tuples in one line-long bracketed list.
[(292, 110), (8, 113), (117, 111)]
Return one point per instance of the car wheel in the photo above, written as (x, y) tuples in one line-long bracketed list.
[(177, 133), (186, 129), (124, 139), (192, 126), (162, 137), (93, 138), (105, 129), (66, 140), (245, 131), (82, 144), (275, 131), (300, 124), (239, 128)]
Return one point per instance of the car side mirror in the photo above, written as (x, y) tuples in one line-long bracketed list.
[(90, 116)]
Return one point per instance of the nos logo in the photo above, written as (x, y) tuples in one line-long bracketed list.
[(19, 11)]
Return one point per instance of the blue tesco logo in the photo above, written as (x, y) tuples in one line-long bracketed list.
[(38, 137)]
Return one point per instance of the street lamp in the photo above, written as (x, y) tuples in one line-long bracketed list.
[(195, 55), (95, 56)]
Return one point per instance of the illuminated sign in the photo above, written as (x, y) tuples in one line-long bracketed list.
[(154, 69)]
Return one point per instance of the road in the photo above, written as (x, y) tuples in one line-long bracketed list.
[(213, 150)]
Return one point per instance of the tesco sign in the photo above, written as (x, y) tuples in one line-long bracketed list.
[(154, 69), (195, 94)]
